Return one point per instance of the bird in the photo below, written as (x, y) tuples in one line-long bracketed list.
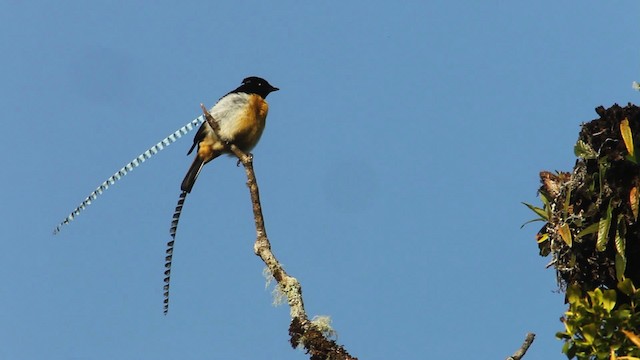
[(241, 117)]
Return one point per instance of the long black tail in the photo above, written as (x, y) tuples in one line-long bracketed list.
[(172, 231), (192, 174)]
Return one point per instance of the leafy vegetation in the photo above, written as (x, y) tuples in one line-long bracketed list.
[(595, 328), (593, 236)]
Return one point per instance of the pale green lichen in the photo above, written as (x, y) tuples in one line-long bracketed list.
[(323, 324), (278, 294)]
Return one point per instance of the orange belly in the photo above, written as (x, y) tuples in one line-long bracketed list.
[(251, 125)]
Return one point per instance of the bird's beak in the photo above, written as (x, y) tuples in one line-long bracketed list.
[(273, 88)]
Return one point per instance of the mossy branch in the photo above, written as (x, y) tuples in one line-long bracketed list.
[(304, 332)]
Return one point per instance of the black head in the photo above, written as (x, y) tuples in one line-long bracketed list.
[(256, 85)]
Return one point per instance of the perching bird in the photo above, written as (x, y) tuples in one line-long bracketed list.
[(241, 116)]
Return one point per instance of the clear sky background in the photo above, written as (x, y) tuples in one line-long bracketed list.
[(395, 158)]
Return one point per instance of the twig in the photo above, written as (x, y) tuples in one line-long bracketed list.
[(523, 349), (303, 332)]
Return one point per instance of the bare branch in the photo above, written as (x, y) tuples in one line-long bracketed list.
[(523, 349)]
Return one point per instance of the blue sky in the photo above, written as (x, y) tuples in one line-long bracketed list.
[(395, 158)]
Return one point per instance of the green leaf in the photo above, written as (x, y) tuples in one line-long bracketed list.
[(603, 230), (621, 266), (542, 238), (591, 229), (633, 201), (544, 200), (627, 137), (540, 212), (602, 354), (596, 297), (603, 166), (626, 286), (608, 299), (530, 221), (589, 331), (619, 239), (565, 233), (621, 315), (584, 150), (570, 328), (574, 294), (620, 243)]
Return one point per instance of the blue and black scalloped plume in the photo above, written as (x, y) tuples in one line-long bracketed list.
[(129, 167)]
